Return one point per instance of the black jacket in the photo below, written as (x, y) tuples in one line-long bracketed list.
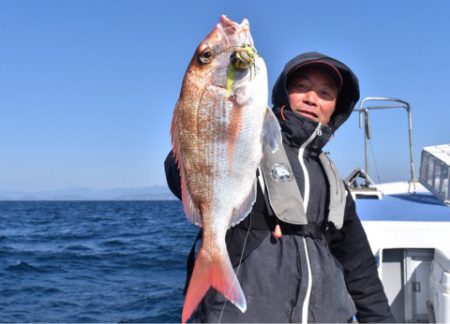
[(251, 244)]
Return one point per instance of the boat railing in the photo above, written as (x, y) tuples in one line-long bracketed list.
[(369, 104)]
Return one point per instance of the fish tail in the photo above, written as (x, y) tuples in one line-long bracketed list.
[(218, 273)]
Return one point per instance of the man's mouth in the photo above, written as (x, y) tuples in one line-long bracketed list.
[(309, 114)]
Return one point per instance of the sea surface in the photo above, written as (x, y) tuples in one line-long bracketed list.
[(93, 261)]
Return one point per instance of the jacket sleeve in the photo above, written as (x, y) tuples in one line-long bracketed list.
[(351, 248), (173, 175)]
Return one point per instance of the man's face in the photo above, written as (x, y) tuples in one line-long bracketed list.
[(312, 94)]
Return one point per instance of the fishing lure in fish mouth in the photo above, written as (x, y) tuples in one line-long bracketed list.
[(243, 57)]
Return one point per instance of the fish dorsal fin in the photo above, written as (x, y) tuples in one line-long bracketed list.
[(271, 134), (191, 211), (244, 209)]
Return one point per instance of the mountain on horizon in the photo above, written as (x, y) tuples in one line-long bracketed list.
[(144, 193)]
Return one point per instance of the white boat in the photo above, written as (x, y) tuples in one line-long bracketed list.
[(408, 226)]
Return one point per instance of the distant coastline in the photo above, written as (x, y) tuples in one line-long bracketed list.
[(87, 194)]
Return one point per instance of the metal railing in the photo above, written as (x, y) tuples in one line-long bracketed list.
[(364, 119)]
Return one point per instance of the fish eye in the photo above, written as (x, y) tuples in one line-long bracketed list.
[(205, 55)]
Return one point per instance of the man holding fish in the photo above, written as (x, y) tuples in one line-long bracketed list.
[(281, 240)]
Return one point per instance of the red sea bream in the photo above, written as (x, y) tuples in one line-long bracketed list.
[(219, 125)]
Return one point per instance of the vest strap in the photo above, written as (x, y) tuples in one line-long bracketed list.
[(312, 230)]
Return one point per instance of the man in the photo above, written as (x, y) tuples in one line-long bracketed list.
[(322, 271)]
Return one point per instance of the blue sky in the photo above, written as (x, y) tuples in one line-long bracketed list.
[(87, 88)]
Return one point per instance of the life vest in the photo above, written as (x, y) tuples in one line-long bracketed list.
[(282, 194), (284, 200)]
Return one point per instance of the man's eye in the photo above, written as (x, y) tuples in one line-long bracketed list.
[(326, 94), (301, 86)]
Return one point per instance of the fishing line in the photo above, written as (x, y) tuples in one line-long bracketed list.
[(374, 162), (239, 265)]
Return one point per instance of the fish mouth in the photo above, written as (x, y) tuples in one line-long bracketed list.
[(225, 22)]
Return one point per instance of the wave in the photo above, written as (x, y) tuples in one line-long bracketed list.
[(40, 290), (70, 259), (22, 266), (92, 262), (77, 247), (112, 243)]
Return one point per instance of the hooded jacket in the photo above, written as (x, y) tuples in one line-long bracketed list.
[(348, 96), (301, 277), (297, 130)]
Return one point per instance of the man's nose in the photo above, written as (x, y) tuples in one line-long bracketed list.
[(311, 98)]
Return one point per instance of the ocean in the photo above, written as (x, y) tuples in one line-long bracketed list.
[(93, 261)]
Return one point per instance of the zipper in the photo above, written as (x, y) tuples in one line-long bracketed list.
[(262, 184), (317, 132), (305, 308), (301, 151)]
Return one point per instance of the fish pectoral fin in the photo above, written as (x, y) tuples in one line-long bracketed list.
[(271, 135), (241, 212), (218, 273)]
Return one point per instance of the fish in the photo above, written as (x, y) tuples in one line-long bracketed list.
[(220, 123)]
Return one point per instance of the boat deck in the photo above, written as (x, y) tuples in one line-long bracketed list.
[(411, 207)]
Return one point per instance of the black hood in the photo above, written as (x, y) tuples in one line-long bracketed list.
[(348, 95)]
